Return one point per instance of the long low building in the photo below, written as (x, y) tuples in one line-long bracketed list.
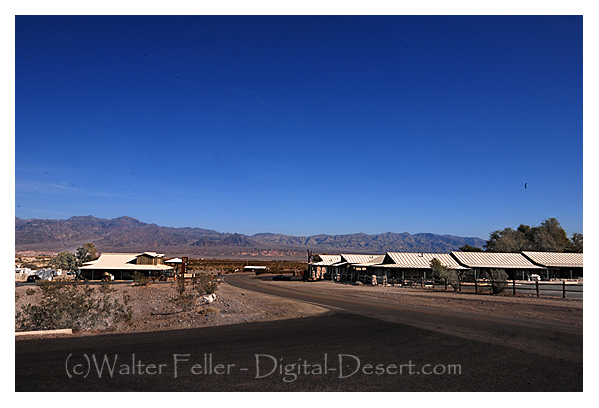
[(409, 265), (124, 266), (560, 265), (470, 265), (516, 265)]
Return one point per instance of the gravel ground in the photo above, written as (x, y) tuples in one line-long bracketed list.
[(557, 310), (153, 309)]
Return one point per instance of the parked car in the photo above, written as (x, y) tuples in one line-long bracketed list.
[(281, 278), (33, 278)]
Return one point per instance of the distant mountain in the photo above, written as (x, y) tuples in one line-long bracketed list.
[(126, 234)]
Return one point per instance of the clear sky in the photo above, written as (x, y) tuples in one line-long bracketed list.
[(302, 125)]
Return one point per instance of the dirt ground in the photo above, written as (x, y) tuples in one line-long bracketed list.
[(153, 309), (557, 310)]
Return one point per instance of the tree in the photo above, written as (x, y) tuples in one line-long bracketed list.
[(576, 243), (506, 240), (469, 248), (65, 261), (86, 252), (550, 237), (547, 237)]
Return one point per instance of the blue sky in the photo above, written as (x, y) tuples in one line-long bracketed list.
[(302, 125)]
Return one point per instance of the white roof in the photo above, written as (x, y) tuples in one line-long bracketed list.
[(374, 261), (152, 254), (419, 260), (121, 262), (327, 260), (555, 259), (358, 259), (500, 260), (174, 260)]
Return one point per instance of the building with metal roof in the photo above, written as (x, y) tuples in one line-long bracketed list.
[(422, 260), (326, 260), (561, 265), (340, 266), (407, 265), (123, 266), (516, 265), (417, 265)]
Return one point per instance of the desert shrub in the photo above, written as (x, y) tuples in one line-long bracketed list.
[(70, 305), (179, 285), (442, 272), (498, 278), (203, 284), (140, 279), (186, 301), (30, 291)]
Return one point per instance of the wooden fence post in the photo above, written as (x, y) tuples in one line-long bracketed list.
[(564, 288), (514, 286), (475, 286), (446, 284), (537, 285)]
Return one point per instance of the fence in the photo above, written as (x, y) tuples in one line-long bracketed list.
[(512, 287)]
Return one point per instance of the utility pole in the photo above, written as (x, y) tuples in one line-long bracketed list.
[(308, 271)]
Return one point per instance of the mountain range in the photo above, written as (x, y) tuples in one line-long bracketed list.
[(126, 234)]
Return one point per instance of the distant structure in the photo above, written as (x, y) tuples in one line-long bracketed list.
[(124, 266), (254, 268)]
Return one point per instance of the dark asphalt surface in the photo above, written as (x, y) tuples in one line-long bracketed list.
[(367, 347)]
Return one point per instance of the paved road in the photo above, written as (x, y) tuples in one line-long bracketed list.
[(542, 337), (356, 347)]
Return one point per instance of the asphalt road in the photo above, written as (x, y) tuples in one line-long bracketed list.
[(356, 347)]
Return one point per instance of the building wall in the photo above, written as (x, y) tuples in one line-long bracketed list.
[(148, 260)]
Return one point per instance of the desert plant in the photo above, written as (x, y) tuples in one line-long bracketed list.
[(179, 285), (204, 284), (443, 272), (140, 279), (498, 279), (186, 301), (70, 305)]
